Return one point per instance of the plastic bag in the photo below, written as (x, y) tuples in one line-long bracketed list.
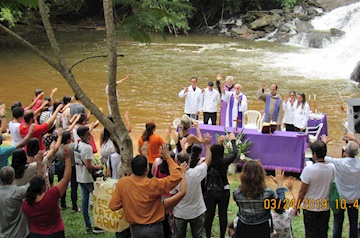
[(104, 218)]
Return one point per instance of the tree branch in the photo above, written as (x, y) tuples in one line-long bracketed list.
[(91, 57)]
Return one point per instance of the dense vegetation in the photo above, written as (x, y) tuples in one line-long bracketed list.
[(182, 15)]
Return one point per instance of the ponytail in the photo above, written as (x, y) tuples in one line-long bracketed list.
[(149, 127), (37, 187)]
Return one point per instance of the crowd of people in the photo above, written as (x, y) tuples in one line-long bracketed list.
[(166, 190)]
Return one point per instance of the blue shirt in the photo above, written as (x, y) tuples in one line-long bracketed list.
[(5, 153)]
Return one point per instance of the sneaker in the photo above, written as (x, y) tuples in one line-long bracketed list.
[(97, 230), (88, 230)]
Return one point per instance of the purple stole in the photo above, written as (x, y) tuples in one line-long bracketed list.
[(267, 108), (223, 109), (239, 124)]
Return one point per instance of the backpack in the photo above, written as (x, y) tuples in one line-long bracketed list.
[(214, 184)]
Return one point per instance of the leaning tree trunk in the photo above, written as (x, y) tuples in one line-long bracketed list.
[(124, 141), (117, 129)]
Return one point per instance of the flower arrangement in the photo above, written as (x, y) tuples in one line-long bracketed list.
[(242, 145)]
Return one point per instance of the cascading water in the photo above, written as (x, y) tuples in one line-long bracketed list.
[(336, 60)]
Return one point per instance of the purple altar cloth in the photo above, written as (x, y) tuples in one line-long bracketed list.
[(315, 122), (283, 149)]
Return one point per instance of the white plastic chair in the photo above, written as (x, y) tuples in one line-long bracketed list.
[(176, 122), (261, 121), (314, 132), (252, 119)]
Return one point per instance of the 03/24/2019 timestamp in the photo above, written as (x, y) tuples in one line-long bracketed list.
[(311, 204)]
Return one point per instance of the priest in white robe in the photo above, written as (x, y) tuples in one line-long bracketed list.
[(236, 107)]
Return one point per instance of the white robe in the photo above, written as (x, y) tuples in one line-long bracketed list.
[(237, 107)]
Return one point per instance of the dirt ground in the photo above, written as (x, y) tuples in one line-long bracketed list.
[(334, 150)]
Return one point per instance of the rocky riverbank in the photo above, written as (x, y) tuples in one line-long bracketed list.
[(281, 25)]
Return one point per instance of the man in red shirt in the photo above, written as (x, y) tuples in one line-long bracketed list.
[(39, 130)]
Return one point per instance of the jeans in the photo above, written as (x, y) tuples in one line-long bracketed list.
[(223, 204), (86, 189), (210, 115), (316, 224), (196, 224), (147, 231), (60, 174), (74, 189), (339, 220)]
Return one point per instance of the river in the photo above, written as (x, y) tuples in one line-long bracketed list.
[(158, 71)]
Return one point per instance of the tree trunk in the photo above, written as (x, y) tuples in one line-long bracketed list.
[(124, 142)]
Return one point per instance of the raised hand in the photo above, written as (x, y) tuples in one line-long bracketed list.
[(184, 167), (279, 176), (232, 136), (219, 76), (207, 139), (263, 86), (165, 152)]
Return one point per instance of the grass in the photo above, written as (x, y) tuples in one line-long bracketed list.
[(75, 227)]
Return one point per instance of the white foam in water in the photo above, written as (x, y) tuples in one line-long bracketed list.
[(336, 60)]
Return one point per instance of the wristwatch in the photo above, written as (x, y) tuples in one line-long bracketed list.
[(2, 116)]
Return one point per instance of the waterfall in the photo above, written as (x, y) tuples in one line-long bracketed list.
[(337, 59)]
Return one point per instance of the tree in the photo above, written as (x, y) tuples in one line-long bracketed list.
[(137, 30)]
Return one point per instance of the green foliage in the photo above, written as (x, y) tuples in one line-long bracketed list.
[(152, 16), (242, 145), (11, 10), (288, 3)]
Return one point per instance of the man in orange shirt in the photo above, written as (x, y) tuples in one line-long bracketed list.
[(141, 197)]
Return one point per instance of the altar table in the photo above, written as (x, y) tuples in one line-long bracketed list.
[(283, 149)]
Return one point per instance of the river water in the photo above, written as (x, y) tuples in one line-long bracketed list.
[(158, 71)]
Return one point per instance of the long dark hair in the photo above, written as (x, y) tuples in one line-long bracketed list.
[(195, 155), (37, 187), (33, 147), (304, 100), (149, 127), (19, 162), (217, 153), (106, 133), (252, 180)]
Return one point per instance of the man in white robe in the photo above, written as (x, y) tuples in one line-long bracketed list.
[(236, 107)]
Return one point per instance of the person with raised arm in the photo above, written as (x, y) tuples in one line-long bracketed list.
[(141, 197), (191, 208), (273, 104), (193, 96)]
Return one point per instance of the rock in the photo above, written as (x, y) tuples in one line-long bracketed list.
[(240, 30), (284, 28), (303, 26), (269, 28), (261, 22), (329, 5), (337, 32), (317, 39), (355, 75)]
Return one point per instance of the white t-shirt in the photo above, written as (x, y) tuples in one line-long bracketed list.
[(15, 133), (82, 153), (319, 177), (115, 160), (192, 205)]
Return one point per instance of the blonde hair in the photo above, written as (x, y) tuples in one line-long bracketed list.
[(185, 122)]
